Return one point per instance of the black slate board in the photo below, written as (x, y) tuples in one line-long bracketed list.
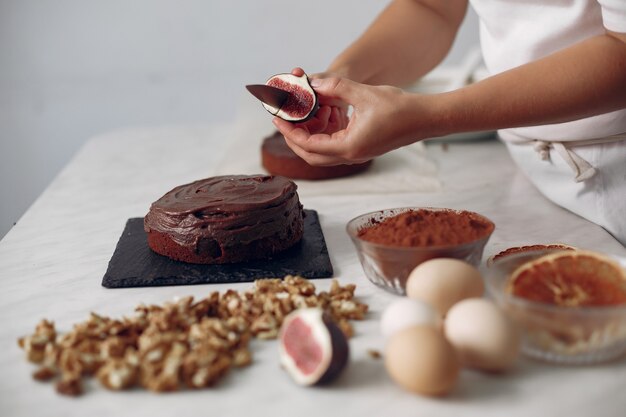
[(134, 264)]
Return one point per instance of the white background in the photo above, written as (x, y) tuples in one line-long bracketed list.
[(71, 69)]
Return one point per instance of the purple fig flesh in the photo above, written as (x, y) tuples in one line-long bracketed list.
[(301, 104)]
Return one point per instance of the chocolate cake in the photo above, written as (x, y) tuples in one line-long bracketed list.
[(226, 219), (278, 159)]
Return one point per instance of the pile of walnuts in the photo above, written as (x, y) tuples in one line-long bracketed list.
[(185, 343)]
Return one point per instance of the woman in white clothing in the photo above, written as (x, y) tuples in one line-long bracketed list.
[(557, 94)]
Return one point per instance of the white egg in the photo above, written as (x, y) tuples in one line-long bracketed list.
[(483, 336), (406, 312)]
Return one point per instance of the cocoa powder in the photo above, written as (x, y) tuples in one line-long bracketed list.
[(422, 228)]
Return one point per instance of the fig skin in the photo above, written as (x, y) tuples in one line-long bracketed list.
[(301, 82), (325, 334), (340, 352)]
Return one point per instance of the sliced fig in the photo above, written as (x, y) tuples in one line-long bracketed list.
[(301, 104), (313, 349)]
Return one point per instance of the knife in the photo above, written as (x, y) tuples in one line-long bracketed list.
[(271, 96)]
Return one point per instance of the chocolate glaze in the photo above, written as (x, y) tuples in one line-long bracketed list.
[(232, 209)]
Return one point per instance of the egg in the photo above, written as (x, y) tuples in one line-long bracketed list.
[(406, 312), (421, 360), (483, 336), (442, 282)]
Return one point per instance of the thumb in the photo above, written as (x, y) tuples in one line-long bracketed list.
[(341, 88)]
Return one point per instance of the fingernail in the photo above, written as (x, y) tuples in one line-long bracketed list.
[(316, 82)]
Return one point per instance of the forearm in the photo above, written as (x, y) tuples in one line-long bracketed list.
[(407, 40), (584, 80)]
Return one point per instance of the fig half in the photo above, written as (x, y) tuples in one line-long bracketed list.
[(301, 104), (313, 349)]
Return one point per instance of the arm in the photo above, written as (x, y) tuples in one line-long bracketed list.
[(586, 79), (407, 40)]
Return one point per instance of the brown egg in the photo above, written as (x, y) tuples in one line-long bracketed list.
[(442, 282), (421, 360)]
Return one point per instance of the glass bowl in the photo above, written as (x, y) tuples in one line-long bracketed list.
[(389, 266), (566, 335)]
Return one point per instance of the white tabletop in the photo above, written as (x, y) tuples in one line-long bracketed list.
[(53, 260)]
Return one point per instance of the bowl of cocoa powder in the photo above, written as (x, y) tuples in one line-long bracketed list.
[(391, 243)]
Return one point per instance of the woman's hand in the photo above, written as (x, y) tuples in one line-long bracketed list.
[(332, 115), (383, 118)]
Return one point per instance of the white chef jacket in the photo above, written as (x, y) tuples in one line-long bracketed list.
[(579, 165)]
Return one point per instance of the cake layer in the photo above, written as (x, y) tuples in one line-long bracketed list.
[(226, 219), (278, 159)]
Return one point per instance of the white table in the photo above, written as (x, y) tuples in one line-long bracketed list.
[(52, 262)]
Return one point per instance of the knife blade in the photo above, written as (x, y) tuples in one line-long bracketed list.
[(272, 96)]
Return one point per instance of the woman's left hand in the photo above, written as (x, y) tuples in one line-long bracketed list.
[(383, 118)]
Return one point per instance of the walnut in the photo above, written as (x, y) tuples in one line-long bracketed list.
[(44, 374), (346, 328), (374, 354), (201, 371), (70, 385), (114, 347), (181, 343), (35, 345), (242, 357), (118, 374), (264, 324), (162, 373), (70, 363)]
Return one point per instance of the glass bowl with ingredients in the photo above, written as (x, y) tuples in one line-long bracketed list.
[(570, 305), (390, 243)]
